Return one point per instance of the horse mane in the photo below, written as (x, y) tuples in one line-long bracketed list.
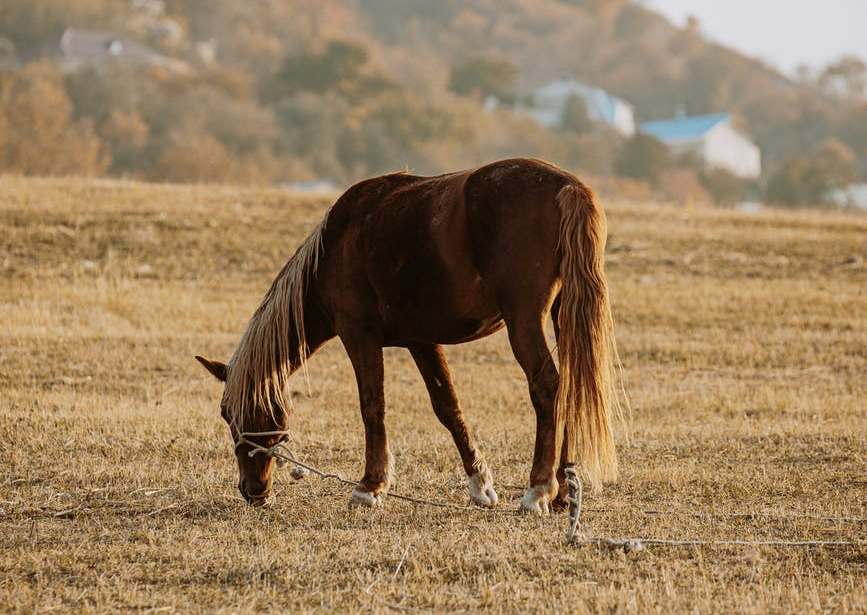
[(268, 354)]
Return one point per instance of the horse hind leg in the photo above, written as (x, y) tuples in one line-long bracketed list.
[(560, 502), (431, 363), (527, 338)]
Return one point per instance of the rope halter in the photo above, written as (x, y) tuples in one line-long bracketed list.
[(280, 452)]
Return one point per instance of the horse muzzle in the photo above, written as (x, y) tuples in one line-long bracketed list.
[(255, 497)]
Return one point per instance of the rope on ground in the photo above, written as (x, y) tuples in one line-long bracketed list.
[(629, 545), (284, 455), (711, 514), (726, 515)]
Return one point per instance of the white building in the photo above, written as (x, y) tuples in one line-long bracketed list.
[(713, 139), (853, 195), (81, 49), (549, 104)]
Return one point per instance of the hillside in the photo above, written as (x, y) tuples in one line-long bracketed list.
[(347, 88)]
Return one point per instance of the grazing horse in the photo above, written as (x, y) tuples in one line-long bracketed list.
[(419, 262)]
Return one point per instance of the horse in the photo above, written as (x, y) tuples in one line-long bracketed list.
[(418, 262)]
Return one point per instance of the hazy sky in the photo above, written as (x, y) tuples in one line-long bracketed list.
[(783, 32)]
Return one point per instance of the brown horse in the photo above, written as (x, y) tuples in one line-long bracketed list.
[(418, 262)]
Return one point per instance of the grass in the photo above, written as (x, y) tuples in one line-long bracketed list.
[(745, 349)]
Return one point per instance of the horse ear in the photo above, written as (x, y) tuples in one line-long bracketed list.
[(217, 369)]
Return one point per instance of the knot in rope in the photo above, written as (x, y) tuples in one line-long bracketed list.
[(280, 451), (574, 497)]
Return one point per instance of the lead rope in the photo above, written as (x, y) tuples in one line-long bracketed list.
[(284, 455)]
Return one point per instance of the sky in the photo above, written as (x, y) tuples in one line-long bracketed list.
[(785, 33)]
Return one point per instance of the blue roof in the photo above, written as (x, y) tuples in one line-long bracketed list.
[(684, 128)]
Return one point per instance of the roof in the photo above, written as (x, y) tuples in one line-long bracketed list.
[(600, 104), (94, 44), (684, 128)]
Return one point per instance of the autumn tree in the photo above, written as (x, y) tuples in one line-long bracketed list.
[(809, 181), (643, 157), (483, 76), (195, 157), (338, 65), (846, 76), (725, 187), (30, 24), (41, 137), (126, 134)]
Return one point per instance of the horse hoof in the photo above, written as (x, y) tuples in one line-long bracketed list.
[(535, 501), (482, 489), (559, 504), (366, 499)]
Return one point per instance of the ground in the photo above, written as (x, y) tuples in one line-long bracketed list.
[(744, 346)]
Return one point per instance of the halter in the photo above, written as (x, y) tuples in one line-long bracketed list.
[(258, 448), (280, 451), (282, 454)]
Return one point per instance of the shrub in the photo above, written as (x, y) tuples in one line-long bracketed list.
[(41, 137), (643, 157), (485, 77)]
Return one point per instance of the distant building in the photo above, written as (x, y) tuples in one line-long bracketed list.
[(853, 195), (316, 187), (550, 101), (711, 137), (79, 49)]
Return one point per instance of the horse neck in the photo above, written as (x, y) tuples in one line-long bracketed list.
[(317, 327), (271, 350)]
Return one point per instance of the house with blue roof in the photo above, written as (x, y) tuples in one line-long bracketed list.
[(713, 138), (550, 102)]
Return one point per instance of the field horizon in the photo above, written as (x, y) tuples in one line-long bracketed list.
[(744, 344)]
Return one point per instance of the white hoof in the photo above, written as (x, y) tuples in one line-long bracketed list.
[(535, 501), (482, 488), (365, 498)]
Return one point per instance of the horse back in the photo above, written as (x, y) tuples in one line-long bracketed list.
[(426, 258)]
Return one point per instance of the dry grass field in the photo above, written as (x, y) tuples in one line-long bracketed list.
[(744, 344)]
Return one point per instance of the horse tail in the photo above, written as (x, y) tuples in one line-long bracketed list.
[(585, 402)]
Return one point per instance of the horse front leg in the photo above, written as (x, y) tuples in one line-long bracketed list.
[(365, 353), (431, 362)]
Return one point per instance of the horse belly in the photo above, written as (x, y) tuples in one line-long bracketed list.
[(438, 305)]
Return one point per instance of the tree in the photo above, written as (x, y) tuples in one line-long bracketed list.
[(387, 133), (481, 76), (847, 76), (126, 134), (194, 157), (30, 24), (682, 186), (339, 64), (837, 164), (643, 157), (809, 181), (575, 116), (725, 187), (41, 137)]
